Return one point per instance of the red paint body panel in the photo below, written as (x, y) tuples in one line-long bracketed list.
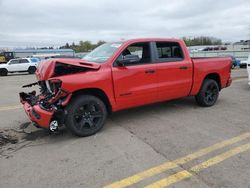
[(174, 82), (45, 116), (45, 69), (205, 66), (129, 86), (132, 87)]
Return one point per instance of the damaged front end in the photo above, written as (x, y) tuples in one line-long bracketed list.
[(46, 109)]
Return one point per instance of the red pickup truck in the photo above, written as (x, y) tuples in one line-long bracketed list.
[(120, 75)]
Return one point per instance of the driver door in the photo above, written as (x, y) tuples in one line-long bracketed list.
[(135, 83)]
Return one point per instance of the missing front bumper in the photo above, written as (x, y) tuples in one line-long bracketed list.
[(34, 111)]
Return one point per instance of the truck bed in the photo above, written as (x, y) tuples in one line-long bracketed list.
[(214, 65)]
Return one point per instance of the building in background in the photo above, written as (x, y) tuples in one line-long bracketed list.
[(5, 56), (32, 52)]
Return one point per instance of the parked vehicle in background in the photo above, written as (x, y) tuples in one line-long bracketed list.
[(26, 53), (6, 56), (121, 75), (19, 65), (35, 60), (248, 69), (235, 62), (243, 64), (23, 53), (214, 48), (44, 56), (65, 57)]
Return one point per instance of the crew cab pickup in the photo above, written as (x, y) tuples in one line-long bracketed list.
[(19, 65), (120, 75)]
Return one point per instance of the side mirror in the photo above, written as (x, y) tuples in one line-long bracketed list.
[(127, 59)]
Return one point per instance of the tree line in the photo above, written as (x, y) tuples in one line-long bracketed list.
[(82, 46), (86, 46), (202, 41)]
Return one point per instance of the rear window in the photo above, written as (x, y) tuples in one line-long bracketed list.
[(169, 51)]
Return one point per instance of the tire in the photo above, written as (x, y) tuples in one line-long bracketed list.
[(243, 66), (32, 70), (208, 93), (86, 115), (3, 72)]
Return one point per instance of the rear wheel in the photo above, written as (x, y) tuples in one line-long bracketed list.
[(32, 70), (86, 115), (208, 93), (3, 72)]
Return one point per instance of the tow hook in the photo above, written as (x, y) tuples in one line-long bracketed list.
[(53, 126)]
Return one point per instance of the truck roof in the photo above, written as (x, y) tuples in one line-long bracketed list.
[(152, 39)]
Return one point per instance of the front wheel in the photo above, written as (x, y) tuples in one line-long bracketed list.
[(208, 93), (3, 72), (86, 115)]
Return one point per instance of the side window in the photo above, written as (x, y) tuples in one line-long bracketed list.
[(169, 51), (24, 61), (142, 50), (14, 61)]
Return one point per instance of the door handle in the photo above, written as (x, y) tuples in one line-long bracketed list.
[(183, 67), (150, 71)]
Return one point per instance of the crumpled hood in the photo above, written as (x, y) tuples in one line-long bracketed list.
[(46, 69)]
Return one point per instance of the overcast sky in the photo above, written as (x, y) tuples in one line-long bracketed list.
[(55, 22)]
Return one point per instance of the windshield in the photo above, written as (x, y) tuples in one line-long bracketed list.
[(102, 53)]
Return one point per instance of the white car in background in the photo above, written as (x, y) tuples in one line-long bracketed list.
[(248, 69), (19, 65)]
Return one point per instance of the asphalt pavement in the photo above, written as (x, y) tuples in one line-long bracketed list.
[(174, 144)]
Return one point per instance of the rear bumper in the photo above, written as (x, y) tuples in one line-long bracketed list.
[(35, 113)]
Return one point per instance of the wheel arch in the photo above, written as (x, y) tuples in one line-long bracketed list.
[(97, 93), (4, 69), (31, 66), (215, 77)]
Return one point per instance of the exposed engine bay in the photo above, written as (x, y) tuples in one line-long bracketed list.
[(51, 99), (47, 109)]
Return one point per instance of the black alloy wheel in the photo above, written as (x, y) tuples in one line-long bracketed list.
[(211, 93), (86, 115), (208, 93)]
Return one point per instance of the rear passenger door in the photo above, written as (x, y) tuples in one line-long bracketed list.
[(24, 64), (174, 71)]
